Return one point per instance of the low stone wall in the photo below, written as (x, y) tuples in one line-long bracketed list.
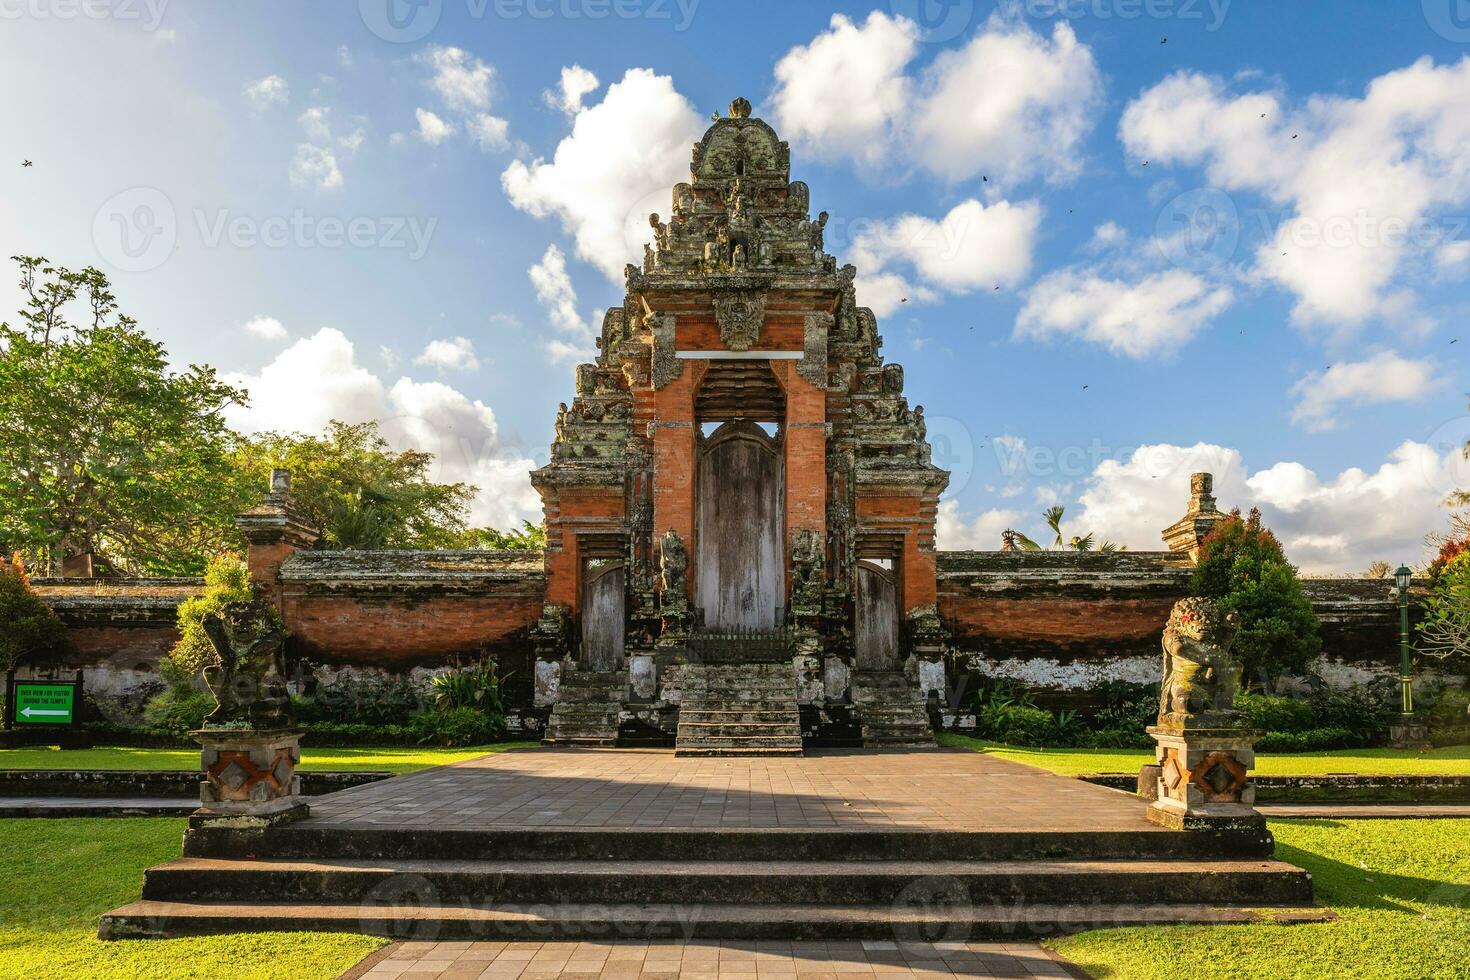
[(1060, 623), (1332, 788), (1063, 622), (152, 784)]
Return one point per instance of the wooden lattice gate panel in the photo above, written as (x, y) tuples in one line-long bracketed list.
[(602, 617), (741, 567), (877, 618)]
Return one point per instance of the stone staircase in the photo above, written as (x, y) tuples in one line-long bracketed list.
[(890, 709), (588, 708), (739, 709), (684, 884)]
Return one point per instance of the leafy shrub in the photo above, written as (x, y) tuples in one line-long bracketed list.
[(1310, 740), (30, 628), (1265, 713), (456, 727), (1128, 709), (226, 580), (1363, 709), (1449, 719), (368, 699), (475, 686), (178, 710)]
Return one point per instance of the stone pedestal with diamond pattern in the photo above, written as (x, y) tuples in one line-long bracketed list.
[(248, 778), (1204, 779)]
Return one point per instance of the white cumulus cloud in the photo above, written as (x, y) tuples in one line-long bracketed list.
[(972, 247), (1384, 377), (622, 153), (1009, 105), (577, 341), (955, 532), (267, 328), (432, 128), (317, 379), (575, 85), (461, 80), (1137, 317), (451, 354), (1327, 524), (315, 166), (266, 92), (1366, 180)]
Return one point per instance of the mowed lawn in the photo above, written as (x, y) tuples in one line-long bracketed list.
[(58, 876), (1401, 889), (1450, 761), (395, 760)]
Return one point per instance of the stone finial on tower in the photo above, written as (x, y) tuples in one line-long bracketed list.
[(273, 530), (740, 109), (1185, 535)]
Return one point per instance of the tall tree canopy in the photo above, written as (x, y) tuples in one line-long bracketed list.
[(362, 494), (1242, 564), (103, 447)]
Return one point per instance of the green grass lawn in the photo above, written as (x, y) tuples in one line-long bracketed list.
[(1401, 889), (1451, 761), (59, 876), (396, 760)]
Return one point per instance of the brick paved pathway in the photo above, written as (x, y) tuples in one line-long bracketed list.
[(922, 790), (709, 961)]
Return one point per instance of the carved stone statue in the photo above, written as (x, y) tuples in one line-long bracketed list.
[(1200, 676), (807, 562), (819, 234), (561, 422), (660, 232), (249, 680), (673, 564)]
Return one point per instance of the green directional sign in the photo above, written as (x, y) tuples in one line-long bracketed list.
[(44, 704)]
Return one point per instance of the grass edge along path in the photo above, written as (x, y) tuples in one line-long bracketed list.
[(393, 759), (1401, 889), (60, 876), (1450, 761)]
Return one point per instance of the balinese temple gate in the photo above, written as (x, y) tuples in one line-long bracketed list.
[(740, 502)]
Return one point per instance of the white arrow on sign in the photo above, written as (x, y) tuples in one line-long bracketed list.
[(43, 713)]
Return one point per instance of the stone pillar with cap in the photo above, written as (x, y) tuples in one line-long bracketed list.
[(1185, 535), (274, 530)]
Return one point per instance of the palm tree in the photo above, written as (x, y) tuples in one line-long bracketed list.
[(1053, 517)]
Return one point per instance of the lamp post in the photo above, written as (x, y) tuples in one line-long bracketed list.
[(1403, 577), (1405, 732)]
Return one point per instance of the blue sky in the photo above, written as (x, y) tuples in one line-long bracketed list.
[(368, 199)]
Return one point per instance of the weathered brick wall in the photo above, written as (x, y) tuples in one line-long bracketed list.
[(118, 629), (1058, 622), (1061, 623)]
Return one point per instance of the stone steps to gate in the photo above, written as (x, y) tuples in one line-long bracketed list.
[(891, 710), (738, 709), (588, 708), (775, 883), (412, 921), (488, 884)]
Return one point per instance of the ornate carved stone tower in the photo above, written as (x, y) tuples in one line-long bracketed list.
[(739, 413)]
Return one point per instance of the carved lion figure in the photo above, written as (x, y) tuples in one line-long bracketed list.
[(1200, 676), (249, 680)]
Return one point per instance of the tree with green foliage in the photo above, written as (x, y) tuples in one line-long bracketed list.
[(29, 630), (1445, 628), (1242, 565), (361, 494), (528, 537), (226, 580), (103, 447)]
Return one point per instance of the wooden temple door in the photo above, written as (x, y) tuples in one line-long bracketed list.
[(876, 642), (741, 567), (602, 616)]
